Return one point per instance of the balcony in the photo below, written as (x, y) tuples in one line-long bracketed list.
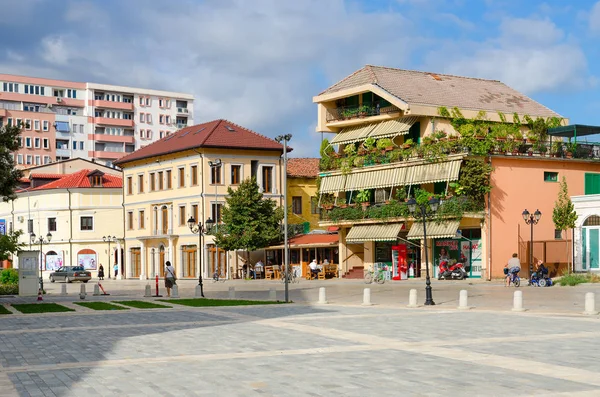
[(115, 122), (99, 103), (181, 110), (358, 112), (105, 154), (111, 138), (181, 125), (63, 152)]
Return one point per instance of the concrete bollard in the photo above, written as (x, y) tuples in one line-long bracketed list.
[(96, 290), (175, 291), (518, 302), (367, 297), (463, 300), (63, 290), (272, 294), (231, 292), (412, 298), (147, 291), (322, 296), (590, 304), (198, 291), (82, 292)]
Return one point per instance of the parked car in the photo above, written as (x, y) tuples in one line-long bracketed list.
[(71, 273)]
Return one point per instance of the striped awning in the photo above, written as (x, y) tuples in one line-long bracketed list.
[(376, 179), (445, 229), (352, 134), (361, 233), (433, 172), (333, 184), (394, 127)]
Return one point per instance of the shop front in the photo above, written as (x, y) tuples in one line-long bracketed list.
[(464, 247)]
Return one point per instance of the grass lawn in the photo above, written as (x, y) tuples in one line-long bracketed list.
[(100, 306), (4, 310), (217, 302), (30, 308), (142, 304)]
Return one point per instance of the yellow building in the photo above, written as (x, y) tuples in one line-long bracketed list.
[(79, 209), (183, 175), (303, 199)]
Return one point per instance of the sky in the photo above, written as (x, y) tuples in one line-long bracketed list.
[(259, 63)]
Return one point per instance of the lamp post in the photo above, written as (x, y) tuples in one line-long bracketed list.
[(213, 166), (531, 219), (201, 230), (425, 211), (286, 259), (109, 239), (41, 242)]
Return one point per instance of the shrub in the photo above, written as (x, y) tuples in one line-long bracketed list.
[(9, 276), (578, 278), (9, 289)]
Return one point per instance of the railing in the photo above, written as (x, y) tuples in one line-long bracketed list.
[(181, 125), (352, 112), (182, 110)]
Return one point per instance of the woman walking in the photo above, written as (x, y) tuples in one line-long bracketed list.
[(101, 272), (169, 277)]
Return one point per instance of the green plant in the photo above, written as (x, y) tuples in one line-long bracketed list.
[(9, 289), (474, 178), (578, 278), (29, 308), (326, 149), (384, 143), (4, 310), (9, 276), (346, 166), (363, 196), (350, 149), (401, 193), (369, 143), (364, 109), (440, 134), (563, 214), (359, 161), (142, 304), (408, 143)]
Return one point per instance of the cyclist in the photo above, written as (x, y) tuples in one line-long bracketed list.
[(513, 266)]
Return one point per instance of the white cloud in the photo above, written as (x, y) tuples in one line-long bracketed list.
[(54, 50), (594, 20)]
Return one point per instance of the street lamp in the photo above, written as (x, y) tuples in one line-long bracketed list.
[(213, 166), (531, 219), (41, 241), (425, 211), (285, 138), (109, 240), (201, 230)]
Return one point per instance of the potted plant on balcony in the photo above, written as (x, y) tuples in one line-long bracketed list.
[(369, 144), (408, 143), (350, 149), (327, 200), (557, 149), (364, 198), (385, 145), (364, 111), (571, 148), (440, 135)]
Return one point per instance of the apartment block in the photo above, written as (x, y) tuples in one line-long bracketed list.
[(64, 119)]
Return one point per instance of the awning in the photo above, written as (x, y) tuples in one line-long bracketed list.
[(352, 134), (361, 233), (376, 179), (393, 127), (333, 184), (445, 229), (433, 172), (574, 130), (62, 126)]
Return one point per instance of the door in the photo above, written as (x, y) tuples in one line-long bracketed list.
[(136, 262), (161, 261), (189, 255), (592, 251), (219, 263), (165, 220)]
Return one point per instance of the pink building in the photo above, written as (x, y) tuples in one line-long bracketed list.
[(64, 119)]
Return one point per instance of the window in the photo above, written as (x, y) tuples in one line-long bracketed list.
[(267, 179), (47, 159), (216, 212), (141, 101), (558, 234), (86, 223), (37, 143), (550, 176), (297, 205), (194, 171), (72, 93), (129, 185), (161, 102), (9, 121), (46, 143), (81, 145), (74, 145), (38, 160), (29, 159), (152, 182), (147, 99), (29, 226), (142, 220), (592, 183), (20, 141), (167, 119), (236, 173), (148, 118), (28, 124), (142, 117), (181, 177), (130, 220), (215, 175), (140, 183), (51, 224), (36, 125), (18, 122), (28, 141), (160, 181), (195, 211), (169, 185), (19, 159), (314, 205), (46, 125), (161, 119), (182, 219)]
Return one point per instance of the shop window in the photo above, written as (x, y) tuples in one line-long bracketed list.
[(550, 176)]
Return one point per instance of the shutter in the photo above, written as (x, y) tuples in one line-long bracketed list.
[(592, 183)]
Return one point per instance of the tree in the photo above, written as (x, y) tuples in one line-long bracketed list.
[(564, 215), (251, 222), (9, 176), (9, 244)]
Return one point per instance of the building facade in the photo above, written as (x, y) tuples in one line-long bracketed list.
[(186, 175), (64, 119), (303, 199)]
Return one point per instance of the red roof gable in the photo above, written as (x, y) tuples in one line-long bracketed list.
[(46, 176), (303, 167), (315, 239), (80, 180), (217, 134)]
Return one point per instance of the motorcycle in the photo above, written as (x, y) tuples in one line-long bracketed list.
[(451, 271)]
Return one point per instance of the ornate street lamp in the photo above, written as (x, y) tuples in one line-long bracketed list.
[(531, 219), (213, 166), (286, 260), (200, 230), (425, 211), (41, 241)]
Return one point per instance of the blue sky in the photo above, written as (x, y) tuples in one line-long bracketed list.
[(259, 63)]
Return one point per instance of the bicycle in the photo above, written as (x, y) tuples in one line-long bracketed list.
[(292, 276), (377, 276), (515, 279), (218, 277)]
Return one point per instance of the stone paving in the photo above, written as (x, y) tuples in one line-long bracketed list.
[(305, 350)]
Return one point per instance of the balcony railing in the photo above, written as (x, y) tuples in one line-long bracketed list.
[(353, 112), (182, 110)]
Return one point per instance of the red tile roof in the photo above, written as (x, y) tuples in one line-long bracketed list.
[(80, 180), (307, 239), (24, 180), (216, 134), (303, 167), (46, 176)]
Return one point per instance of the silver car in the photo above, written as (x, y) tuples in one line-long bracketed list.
[(71, 273)]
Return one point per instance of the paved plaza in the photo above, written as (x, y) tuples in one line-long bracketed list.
[(307, 349)]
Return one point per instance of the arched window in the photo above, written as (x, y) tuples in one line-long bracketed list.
[(593, 220)]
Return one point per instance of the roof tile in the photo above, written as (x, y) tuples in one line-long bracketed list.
[(80, 180), (303, 167)]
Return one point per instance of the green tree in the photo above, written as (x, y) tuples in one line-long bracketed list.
[(9, 180), (251, 222), (564, 215), (9, 244)]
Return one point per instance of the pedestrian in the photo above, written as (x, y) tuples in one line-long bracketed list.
[(169, 277), (116, 269), (512, 266), (101, 272)]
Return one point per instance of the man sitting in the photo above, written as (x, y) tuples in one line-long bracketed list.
[(314, 268)]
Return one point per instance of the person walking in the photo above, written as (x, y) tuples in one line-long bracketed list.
[(169, 277), (116, 269), (101, 272)]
